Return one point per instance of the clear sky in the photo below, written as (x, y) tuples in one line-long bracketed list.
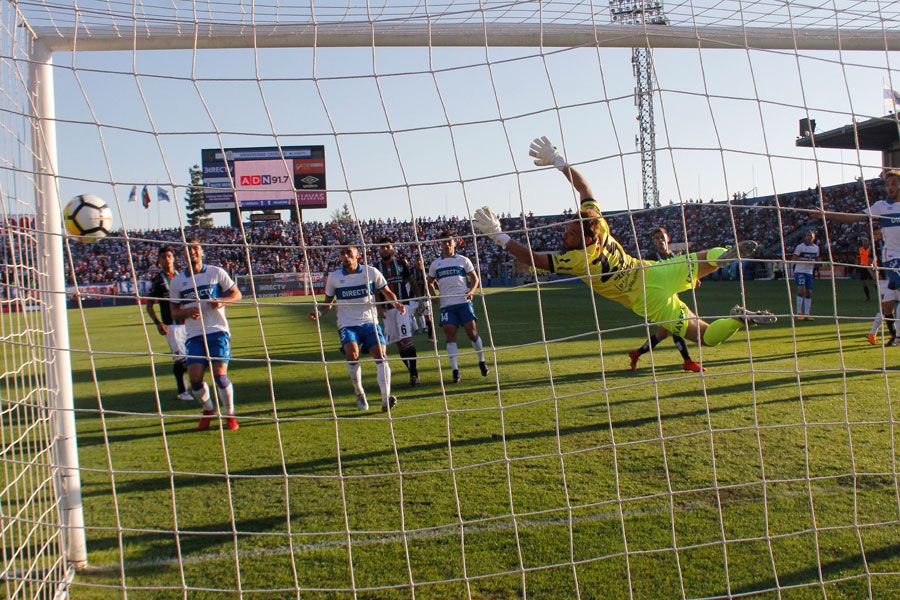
[(726, 122)]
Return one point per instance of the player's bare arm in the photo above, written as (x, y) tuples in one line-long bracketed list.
[(474, 281), (181, 313), (151, 312), (391, 298), (431, 283), (322, 308), (843, 218), (233, 296)]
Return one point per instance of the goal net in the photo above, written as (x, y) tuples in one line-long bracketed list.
[(587, 456)]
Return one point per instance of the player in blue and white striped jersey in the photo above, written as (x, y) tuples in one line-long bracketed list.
[(352, 289), (199, 295), (805, 256), (457, 280)]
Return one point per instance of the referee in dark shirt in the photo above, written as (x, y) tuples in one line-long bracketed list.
[(660, 251)]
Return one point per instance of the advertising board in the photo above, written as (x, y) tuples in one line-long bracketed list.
[(264, 178)]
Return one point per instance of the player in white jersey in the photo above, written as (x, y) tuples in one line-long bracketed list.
[(885, 214), (456, 280), (805, 256), (886, 295), (199, 295), (352, 288)]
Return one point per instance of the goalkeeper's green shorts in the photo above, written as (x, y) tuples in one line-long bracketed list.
[(664, 280)]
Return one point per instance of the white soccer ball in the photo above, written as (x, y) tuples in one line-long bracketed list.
[(88, 218)]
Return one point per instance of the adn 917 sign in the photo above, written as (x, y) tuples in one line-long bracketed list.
[(264, 177)]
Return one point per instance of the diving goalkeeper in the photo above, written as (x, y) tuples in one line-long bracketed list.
[(590, 251)]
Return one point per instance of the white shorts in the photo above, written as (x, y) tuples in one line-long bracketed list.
[(175, 337), (886, 293), (397, 326), (415, 304)]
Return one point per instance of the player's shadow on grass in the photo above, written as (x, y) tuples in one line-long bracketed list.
[(150, 431), (638, 422), (765, 382), (802, 355), (836, 569), (328, 465), (160, 545)]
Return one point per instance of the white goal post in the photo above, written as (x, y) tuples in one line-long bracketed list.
[(59, 377), (528, 35)]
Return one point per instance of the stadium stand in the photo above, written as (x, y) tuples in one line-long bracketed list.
[(274, 247)]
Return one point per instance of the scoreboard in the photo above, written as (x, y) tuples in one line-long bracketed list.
[(264, 178)]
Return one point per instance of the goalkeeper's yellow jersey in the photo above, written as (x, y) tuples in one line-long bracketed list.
[(603, 265)]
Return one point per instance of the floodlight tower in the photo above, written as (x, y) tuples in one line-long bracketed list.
[(643, 12)]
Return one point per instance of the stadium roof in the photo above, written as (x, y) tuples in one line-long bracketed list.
[(879, 133)]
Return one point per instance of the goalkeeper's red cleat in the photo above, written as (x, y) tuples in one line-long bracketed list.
[(693, 367), (231, 424), (634, 355), (873, 338), (203, 425)]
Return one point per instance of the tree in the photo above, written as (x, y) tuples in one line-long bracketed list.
[(342, 215), (195, 200)]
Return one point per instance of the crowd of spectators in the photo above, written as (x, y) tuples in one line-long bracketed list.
[(282, 247)]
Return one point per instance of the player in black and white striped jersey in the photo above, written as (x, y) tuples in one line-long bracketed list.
[(165, 324), (398, 327)]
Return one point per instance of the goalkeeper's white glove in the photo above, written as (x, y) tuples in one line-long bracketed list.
[(545, 154), (487, 223)]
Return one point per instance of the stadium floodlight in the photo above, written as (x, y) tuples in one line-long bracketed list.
[(643, 13), (520, 486)]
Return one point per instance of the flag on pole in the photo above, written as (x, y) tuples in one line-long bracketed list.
[(891, 99), (145, 196), (132, 195), (162, 195)]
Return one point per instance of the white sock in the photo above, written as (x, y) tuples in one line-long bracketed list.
[(808, 305), (226, 396), (355, 377), (876, 324), (384, 379), (478, 348), (202, 397), (452, 351), (799, 305)]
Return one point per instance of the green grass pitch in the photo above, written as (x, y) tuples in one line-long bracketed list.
[(560, 474)]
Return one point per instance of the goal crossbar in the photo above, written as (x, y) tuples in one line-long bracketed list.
[(155, 36)]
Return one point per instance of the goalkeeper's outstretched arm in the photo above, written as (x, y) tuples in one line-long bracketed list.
[(546, 154), (487, 223)]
